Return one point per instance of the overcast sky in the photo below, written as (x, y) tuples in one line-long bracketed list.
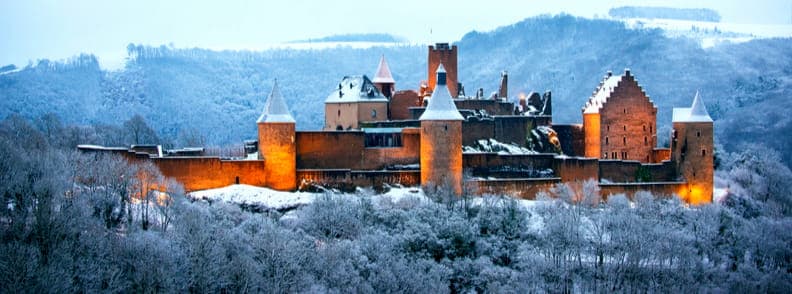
[(56, 29)]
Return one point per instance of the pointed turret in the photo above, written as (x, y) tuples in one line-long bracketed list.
[(441, 105), (699, 110), (276, 139), (383, 74), (441, 139), (696, 113), (275, 110), (383, 79), (692, 148)]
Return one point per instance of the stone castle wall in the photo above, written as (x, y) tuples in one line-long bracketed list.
[(346, 150), (200, 173), (619, 171)]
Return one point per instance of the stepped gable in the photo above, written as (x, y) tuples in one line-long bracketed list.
[(275, 110), (602, 93)]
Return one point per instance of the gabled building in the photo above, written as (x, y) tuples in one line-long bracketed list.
[(619, 121), (355, 100)]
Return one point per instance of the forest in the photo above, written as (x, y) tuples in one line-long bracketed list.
[(82, 222), (194, 95)]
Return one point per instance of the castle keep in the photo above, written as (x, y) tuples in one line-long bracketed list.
[(437, 136)]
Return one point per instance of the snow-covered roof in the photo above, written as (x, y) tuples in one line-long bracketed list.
[(383, 74), (275, 110), (441, 105), (602, 94), (355, 89), (696, 113)]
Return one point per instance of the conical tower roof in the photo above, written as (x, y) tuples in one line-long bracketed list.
[(696, 113), (698, 108), (275, 110), (441, 105), (383, 74)]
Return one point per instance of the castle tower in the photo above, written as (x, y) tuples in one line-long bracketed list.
[(692, 151), (441, 139), (619, 120), (383, 79), (442, 53), (276, 132), (503, 89)]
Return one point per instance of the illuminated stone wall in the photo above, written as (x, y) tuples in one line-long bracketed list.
[(576, 169), (448, 56), (371, 111), (340, 115), (633, 171), (441, 154), (346, 150), (401, 102), (661, 154), (628, 123), (692, 150), (277, 147), (591, 130), (200, 173), (349, 180)]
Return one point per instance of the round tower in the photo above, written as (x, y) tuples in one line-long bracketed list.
[(692, 151), (441, 139), (276, 142)]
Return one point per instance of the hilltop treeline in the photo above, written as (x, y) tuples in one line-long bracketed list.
[(695, 14), (219, 94)]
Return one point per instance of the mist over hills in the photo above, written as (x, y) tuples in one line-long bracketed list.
[(219, 94)]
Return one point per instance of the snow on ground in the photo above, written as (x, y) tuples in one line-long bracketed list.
[(719, 194), (268, 199), (712, 33), (492, 145), (256, 196)]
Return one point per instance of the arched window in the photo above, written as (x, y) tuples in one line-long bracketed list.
[(373, 113), (646, 141), (625, 128), (624, 140), (606, 140), (339, 112)]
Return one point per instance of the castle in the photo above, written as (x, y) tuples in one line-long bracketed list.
[(438, 136)]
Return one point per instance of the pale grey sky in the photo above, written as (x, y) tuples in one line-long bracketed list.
[(56, 29)]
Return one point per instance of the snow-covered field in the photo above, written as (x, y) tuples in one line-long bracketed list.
[(268, 199), (713, 33)]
